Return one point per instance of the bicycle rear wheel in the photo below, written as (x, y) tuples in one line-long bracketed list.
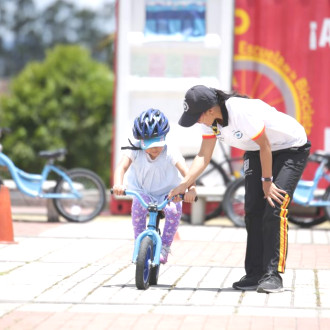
[(143, 264), (326, 197), (234, 202), (311, 216), (93, 196), (214, 175), (308, 217)]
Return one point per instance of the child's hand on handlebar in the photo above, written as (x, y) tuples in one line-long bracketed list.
[(119, 189), (176, 199), (174, 193)]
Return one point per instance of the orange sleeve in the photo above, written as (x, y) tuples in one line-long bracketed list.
[(259, 134), (208, 136)]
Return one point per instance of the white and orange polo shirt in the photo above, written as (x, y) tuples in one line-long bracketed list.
[(250, 118)]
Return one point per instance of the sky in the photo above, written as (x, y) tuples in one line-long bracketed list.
[(91, 4)]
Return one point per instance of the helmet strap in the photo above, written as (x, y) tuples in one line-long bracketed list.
[(132, 147)]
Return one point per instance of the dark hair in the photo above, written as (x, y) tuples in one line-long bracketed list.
[(222, 96)]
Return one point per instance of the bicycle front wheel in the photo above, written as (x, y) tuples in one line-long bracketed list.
[(143, 264), (91, 202), (154, 273)]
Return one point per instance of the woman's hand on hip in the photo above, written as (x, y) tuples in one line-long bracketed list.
[(273, 193)]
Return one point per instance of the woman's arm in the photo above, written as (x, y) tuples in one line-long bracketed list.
[(197, 167), (189, 196), (266, 160), (121, 169)]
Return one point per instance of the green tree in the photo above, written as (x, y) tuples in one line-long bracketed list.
[(64, 101)]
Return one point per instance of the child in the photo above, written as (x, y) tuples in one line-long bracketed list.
[(154, 171)]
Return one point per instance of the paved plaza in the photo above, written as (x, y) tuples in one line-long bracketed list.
[(80, 276)]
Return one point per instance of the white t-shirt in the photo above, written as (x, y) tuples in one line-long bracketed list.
[(249, 118), (153, 177)]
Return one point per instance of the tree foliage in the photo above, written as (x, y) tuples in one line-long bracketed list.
[(64, 101)]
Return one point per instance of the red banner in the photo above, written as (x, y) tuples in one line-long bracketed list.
[(282, 56)]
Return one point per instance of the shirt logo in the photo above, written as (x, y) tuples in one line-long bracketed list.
[(185, 106), (238, 134), (246, 165), (246, 168)]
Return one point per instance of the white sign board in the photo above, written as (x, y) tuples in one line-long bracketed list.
[(157, 61)]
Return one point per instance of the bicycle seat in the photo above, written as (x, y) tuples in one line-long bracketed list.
[(49, 154), (319, 155), (161, 214)]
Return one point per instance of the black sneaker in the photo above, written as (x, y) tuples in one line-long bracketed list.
[(270, 283), (247, 282)]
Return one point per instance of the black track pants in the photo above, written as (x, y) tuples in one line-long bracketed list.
[(267, 227)]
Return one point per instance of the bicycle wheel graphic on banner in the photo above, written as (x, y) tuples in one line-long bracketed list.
[(262, 80)]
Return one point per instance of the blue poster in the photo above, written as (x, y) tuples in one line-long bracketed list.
[(179, 20)]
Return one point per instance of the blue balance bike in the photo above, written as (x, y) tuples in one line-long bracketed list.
[(148, 244)]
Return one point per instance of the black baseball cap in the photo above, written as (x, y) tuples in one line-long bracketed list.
[(198, 99)]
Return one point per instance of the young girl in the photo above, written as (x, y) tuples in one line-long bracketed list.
[(154, 169)]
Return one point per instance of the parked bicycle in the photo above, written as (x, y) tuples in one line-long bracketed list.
[(217, 174), (310, 204), (78, 194)]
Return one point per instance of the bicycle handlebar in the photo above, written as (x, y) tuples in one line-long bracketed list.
[(144, 204), (320, 156)]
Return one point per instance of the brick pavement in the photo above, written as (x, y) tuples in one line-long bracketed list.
[(79, 276)]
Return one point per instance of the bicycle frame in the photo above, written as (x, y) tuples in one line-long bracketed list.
[(32, 184), (151, 231), (304, 193)]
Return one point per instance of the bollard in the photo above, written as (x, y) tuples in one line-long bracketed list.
[(6, 222), (176, 236)]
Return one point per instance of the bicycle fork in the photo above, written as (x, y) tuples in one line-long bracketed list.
[(151, 231)]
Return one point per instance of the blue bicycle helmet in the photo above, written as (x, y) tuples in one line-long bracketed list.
[(151, 123)]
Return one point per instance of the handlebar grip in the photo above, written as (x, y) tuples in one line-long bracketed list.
[(111, 191), (182, 197)]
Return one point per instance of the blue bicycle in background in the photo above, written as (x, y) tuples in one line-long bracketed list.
[(310, 204), (309, 195), (78, 194)]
